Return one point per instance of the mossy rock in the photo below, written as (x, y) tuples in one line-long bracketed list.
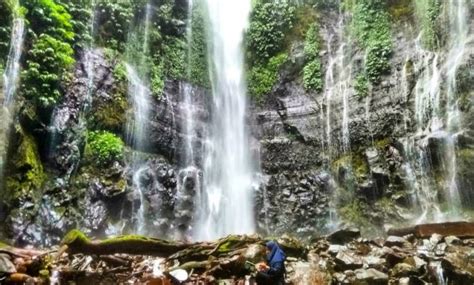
[(25, 173), (401, 10)]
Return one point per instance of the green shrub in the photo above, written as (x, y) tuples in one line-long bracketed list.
[(371, 27), (81, 15), (269, 23), (5, 29), (199, 69), (312, 71), (49, 17), (113, 19), (47, 66), (174, 53), (262, 77), (104, 147), (429, 12), (361, 86)]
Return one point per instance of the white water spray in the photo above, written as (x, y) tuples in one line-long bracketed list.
[(226, 205), (10, 83)]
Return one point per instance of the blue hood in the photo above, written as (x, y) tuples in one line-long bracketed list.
[(276, 253)]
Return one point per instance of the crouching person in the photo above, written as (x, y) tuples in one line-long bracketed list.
[(273, 271)]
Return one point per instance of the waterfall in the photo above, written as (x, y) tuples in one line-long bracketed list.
[(10, 83), (437, 117), (136, 137), (189, 174), (338, 85), (12, 70), (139, 94), (226, 204), (459, 32)]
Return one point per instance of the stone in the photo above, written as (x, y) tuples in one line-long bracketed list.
[(371, 276), (403, 270), (452, 240), (395, 241), (343, 236), (6, 264), (347, 260)]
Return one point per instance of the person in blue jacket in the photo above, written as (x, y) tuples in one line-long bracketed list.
[(273, 272)]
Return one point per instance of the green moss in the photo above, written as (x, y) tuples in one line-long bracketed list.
[(354, 161), (382, 143), (25, 174), (355, 212), (261, 78), (110, 113), (103, 147), (401, 9), (74, 236)]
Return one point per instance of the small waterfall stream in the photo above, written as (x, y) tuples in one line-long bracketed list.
[(436, 120), (226, 203), (139, 94), (10, 82)]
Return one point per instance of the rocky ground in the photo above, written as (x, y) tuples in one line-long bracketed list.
[(425, 254)]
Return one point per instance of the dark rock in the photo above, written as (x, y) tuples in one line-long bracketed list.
[(343, 236), (403, 270)]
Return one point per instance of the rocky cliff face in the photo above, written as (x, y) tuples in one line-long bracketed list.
[(312, 180)]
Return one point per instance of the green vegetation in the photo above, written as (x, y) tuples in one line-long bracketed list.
[(104, 147), (25, 170), (47, 66), (312, 71), (261, 78), (5, 30), (51, 18), (269, 23), (81, 15), (361, 86), (199, 73), (113, 20), (371, 28), (429, 13)]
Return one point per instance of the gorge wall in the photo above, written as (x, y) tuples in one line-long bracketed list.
[(350, 117)]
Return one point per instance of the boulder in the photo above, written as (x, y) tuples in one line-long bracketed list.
[(370, 276), (395, 241), (343, 236), (347, 260), (6, 264)]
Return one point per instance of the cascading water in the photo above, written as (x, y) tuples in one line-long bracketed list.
[(438, 121), (188, 176), (12, 70), (139, 94), (337, 85), (10, 82), (337, 91), (226, 204), (459, 32), (435, 121)]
